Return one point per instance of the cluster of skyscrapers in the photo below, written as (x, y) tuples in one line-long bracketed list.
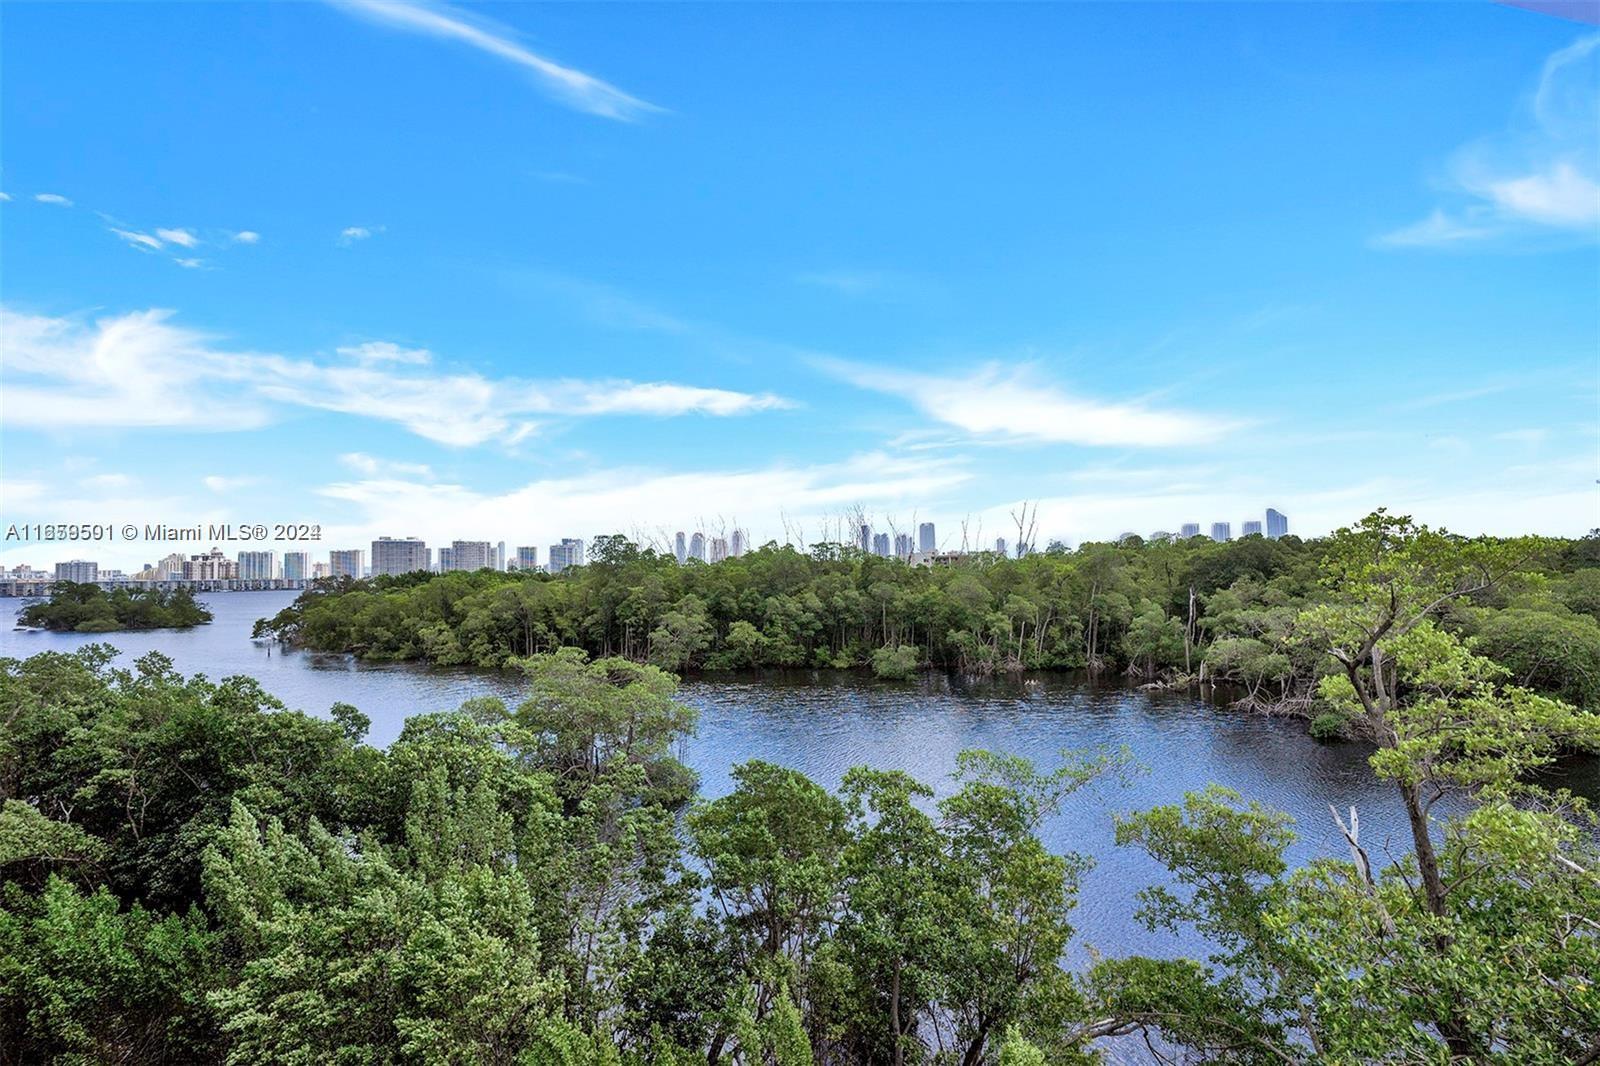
[(1276, 525), (894, 544), (405, 555), (697, 545)]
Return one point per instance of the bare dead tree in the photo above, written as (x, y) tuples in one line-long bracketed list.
[(894, 534), (1027, 524), (793, 532), (856, 517)]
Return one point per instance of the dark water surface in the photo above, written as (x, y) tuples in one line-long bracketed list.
[(823, 723)]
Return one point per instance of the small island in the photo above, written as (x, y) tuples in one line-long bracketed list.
[(80, 607)]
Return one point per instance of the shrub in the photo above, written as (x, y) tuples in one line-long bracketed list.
[(895, 664)]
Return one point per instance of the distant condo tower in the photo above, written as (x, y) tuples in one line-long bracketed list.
[(82, 571), (739, 544), (472, 555), (1189, 529), (902, 545), (680, 547), (1221, 531), (296, 566), (258, 566), (864, 538), (697, 547), (527, 558), (393, 555), (346, 563), (1000, 546), (568, 553), (926, 541), (1251, 528), (1277, 524), (880, 544)]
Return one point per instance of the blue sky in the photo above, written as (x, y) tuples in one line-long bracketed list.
[(529, 271)]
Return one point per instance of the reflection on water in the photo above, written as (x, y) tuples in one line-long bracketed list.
[(824, 723)]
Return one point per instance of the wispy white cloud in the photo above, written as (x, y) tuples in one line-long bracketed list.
[(227, 483), (1560, 505), (374, 352), (5, 197), (351, 234), (172, 241), (1017, 404), (53, 198), (765, 498), (144, 242), (373, 467), (246, 236), (1541, 177), (574, 88), (181, 237), (142, 369)]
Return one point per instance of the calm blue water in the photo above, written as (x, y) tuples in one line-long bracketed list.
[(824, 723)]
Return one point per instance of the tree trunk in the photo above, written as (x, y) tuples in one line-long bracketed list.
[(894, 1015)]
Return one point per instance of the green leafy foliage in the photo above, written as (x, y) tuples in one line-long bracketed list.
[(191, 873), (88, 608)]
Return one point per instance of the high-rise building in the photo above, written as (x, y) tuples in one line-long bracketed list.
[(212, 566), (697, 547), (880, 544), (170, 567), (296, 566), (1189, 529), (1160, 536), (1250, 528), (680, 547), (864, 537), (83, 571), (1000, 546), (500, 555), (568, 553), (1221, 531), (739, 543), (347, 563), (926, 541), (321, 570), (1277, 524), (471, 555), (719, 549), (527, 558), (902, 545), (447, 560), (399, 555), (258, 566)]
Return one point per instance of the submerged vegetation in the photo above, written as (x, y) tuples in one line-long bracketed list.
[(84, 607), (193, 873), (1243, 612)]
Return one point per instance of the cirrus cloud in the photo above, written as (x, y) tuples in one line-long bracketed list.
[(1539, 178), (143, 369), (574, 88), (1017, 404)]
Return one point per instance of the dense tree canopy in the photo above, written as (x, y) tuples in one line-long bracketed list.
[(1169, 611), (190, 872), (88, 608)]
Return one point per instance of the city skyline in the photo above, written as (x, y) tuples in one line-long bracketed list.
[(653, 309), (390, 555)]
